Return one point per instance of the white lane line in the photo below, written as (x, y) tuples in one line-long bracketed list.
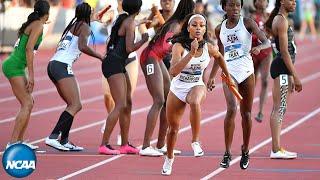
[(45, 77), (56, 108), (206, 120), (85, 71), (263, 143), (49, 90), (136, 111), (59, 107)]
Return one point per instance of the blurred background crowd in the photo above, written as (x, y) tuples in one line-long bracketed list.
[(13, 13)]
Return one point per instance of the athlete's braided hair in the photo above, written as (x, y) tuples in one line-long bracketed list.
[(83, 13)]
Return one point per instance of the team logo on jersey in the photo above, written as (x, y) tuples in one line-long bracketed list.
[(195, 67), (232, 38)]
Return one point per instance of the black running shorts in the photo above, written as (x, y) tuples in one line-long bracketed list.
[(59, 70), (278, 67)]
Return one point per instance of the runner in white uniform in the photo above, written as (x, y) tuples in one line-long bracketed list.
[(234, 40), (68, 50), (74, 41), (237, 45), (191, 54), (191, 75)]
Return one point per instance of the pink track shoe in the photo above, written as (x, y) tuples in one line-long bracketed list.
[(128, 149), (108, 150)]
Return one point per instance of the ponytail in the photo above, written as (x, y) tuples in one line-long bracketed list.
[(114, 31), (32, 17), (273, 14), (184, 8), (41, 8), (72, 22), (82, 14)]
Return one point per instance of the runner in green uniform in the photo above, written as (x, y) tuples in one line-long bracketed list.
[(16, 63), (30, 36)]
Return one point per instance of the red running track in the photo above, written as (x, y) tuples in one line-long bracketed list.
[(302, 138)]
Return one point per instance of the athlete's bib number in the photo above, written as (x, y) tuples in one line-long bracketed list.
[(69, 69), (284, 81), (150, 69), (17, 43), (233, 54), (189, 78)]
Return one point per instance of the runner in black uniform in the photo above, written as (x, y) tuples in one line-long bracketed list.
[(121, 43), (282, 71)]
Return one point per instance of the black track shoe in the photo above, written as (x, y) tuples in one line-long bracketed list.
[(244, 161), (226, 160)]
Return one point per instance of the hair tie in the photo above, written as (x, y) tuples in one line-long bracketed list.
[(36, 12), (124, 12), (197, 15)]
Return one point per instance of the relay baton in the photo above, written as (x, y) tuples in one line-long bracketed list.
[(103, 11), (231, 87)]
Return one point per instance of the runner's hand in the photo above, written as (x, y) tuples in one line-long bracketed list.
[(297, 84), (255, 50), (211, 84), (30, 84), (194, 46), (230, 81), (145, 37)]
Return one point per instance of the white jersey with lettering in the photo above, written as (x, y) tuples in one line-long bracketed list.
[(67, 51), (237, 46), (191, 75)]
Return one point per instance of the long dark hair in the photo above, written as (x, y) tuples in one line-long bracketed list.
[(40, 9), (223, 4), (130, 7), (273, 14), (183, 37), (83, 13), (184, 8)]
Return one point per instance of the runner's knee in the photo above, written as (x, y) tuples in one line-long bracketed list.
[(27, 104), (246, 116)]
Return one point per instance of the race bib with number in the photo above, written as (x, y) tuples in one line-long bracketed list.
[(284, 81), (233, 52), (17, 43), (188, 78), (150, 69), (69, 70)]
